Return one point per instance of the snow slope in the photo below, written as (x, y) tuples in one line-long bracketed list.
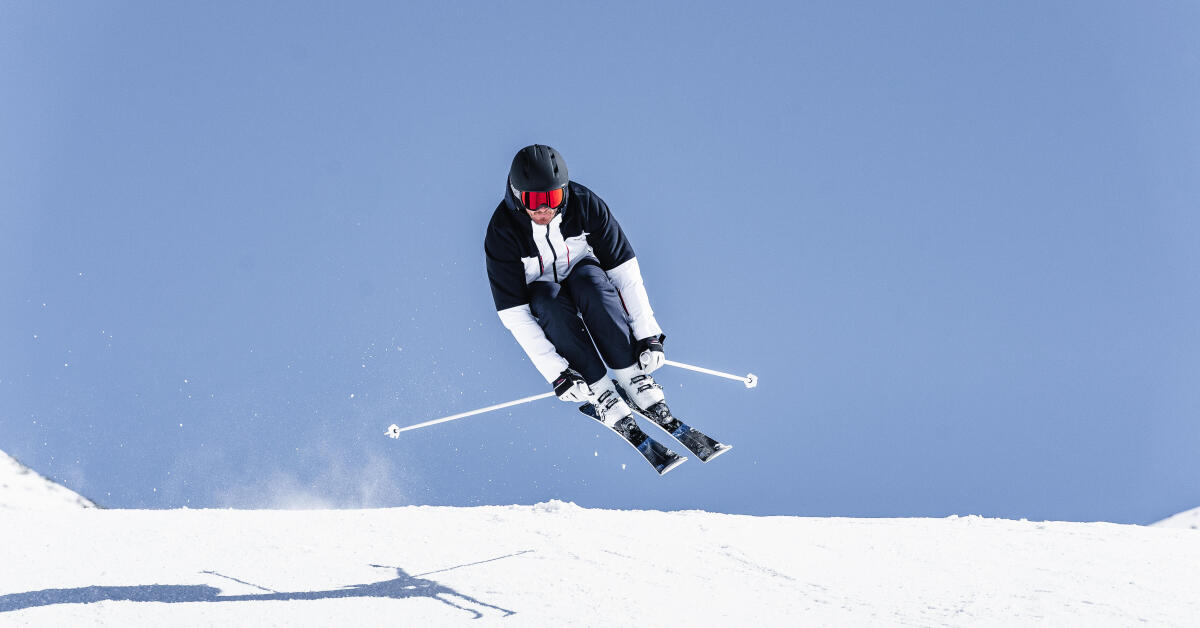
[(560, 564), (23, 489), (1189, 519)]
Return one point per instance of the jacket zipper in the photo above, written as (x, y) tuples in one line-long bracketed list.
[(552, 252)]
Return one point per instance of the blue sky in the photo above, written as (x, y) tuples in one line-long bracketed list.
[(956, 241)]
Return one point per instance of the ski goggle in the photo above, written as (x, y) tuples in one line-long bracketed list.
[(554, 199)]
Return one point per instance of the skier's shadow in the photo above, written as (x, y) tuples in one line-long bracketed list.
[(401, 587)]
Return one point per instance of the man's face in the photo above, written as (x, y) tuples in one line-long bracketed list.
[(542, 216), (540, 205)]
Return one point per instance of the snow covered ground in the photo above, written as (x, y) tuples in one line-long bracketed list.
[(22, 488), (560, 564), (557, 563), (1189, 520)]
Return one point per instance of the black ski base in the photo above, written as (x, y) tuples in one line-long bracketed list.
[(659, 457), (694, 440)]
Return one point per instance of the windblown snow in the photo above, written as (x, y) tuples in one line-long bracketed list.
[(560, 564)]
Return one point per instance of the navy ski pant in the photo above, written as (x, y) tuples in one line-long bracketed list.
[(587, 291)]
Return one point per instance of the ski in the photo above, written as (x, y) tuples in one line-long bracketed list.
[(694, 440), (659, 457)]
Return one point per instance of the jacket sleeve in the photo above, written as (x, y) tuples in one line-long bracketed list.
[(605, 236), (628, 279), (616, 256), (506, 274), (519, 320)]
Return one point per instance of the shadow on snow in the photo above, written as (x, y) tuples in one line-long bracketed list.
[(401, 587)]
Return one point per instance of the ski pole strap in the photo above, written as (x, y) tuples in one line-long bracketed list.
[(750, 379), (394, 430)]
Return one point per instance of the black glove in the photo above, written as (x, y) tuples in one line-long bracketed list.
[(569, 386), (649, 352)]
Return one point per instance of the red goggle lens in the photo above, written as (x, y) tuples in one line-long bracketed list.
[(534, 200)]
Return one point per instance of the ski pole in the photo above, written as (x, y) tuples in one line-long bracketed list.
[(750, 380), (394, 430)]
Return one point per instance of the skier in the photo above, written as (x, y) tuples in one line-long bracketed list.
[(563, 275)]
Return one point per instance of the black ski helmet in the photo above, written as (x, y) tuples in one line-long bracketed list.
[(537, 168)]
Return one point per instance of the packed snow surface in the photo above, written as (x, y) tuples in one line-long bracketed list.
[(559, 564), (21, 488)]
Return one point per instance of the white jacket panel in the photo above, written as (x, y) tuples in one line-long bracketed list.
[(557, 256), (628, 279), (524, 327)]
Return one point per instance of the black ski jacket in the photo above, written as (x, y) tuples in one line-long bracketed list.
[(587, 228), (520, 252)]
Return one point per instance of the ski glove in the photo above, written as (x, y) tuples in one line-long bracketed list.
[(569, 386), (650, 354)]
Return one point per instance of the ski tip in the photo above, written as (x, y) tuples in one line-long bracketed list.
[(718, 451), (671, 465)]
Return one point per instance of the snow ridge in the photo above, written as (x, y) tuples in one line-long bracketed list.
[(1188, 519), (21, 488)]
